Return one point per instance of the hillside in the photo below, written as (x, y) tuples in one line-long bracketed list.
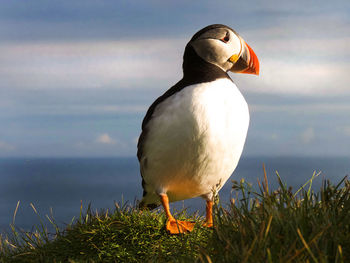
[(264, 226)]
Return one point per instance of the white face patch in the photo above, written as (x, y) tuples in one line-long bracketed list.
[(236, 45), (213, 47)]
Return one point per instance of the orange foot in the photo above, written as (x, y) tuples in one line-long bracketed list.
[(178, 227)]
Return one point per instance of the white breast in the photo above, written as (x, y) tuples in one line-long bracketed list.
[(195, 139)]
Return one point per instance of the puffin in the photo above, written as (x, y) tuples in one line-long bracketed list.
[(193, 135)]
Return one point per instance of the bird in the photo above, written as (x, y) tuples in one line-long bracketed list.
[(193, 135)]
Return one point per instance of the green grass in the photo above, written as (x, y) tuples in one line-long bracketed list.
[(262, 226)]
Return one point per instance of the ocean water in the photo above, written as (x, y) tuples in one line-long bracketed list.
[(61, 184)]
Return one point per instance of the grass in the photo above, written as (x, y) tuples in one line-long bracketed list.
[(259, 226)]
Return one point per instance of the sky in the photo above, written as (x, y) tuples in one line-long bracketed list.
[(76, 77)]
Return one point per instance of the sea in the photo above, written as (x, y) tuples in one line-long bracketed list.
[(57, 187)]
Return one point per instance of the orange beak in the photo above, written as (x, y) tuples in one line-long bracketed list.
[(247, 62)]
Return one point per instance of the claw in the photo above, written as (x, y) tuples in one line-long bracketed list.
[(174, 226)]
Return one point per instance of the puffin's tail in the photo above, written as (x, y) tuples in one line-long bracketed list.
[(143, 206), (149, 201)]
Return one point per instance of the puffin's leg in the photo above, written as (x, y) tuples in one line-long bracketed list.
[(174, 226), (209, 214)]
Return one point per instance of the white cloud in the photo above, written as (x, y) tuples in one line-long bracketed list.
[(4, 146), (297, 74), (345, 130), (274, 136), (313, 108), (135, 140), (86, 109), (310, 56), (105, 139), (307, 135), (290, 63), (304, 77), (90, 64)]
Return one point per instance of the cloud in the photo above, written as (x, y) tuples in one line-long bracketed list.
[(4, 146), (105, 139), (90, 64), (308, 135), (345, 130), (316, 79), (299, 58), (274, 136), (301, 50), (311, 108), (135, 140), (62, 71), (316, 67), (295, 58), (85, 109)]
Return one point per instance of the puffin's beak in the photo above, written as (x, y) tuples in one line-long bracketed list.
[(247, 62)]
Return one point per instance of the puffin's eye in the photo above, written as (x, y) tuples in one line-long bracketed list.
[(225, 39)]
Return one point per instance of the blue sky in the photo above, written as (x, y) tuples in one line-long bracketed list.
[(76, 77)]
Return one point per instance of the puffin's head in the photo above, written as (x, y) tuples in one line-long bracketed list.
[(223, 47)]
